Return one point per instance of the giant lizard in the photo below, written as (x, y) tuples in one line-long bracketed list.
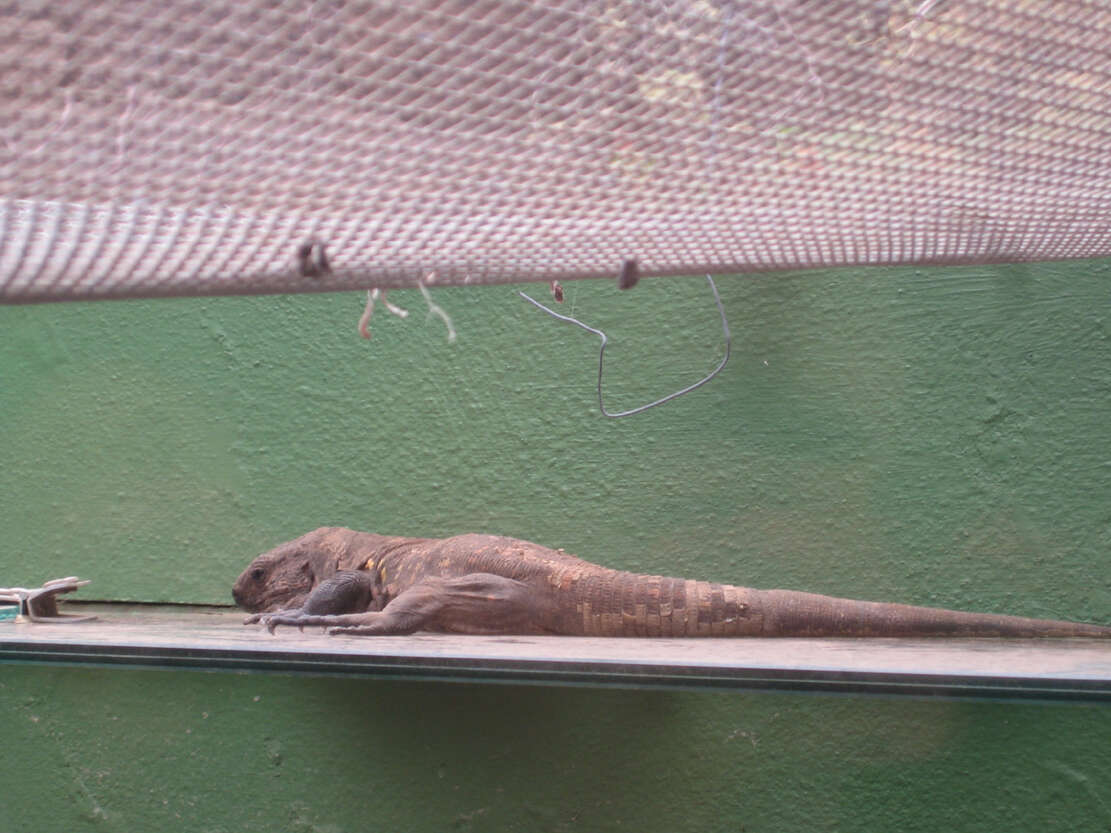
[(361, 583)]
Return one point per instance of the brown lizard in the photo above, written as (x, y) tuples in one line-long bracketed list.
[(361, 583)]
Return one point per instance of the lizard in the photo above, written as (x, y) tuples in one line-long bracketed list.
[(361, 583)]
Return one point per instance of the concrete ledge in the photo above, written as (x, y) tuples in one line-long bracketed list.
[(214, 638)]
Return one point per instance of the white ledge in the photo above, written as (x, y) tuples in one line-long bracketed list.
[(214, 638)]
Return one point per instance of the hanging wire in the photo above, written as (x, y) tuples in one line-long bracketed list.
[(602, 355)]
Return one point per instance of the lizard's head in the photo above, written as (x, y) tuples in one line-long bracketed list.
[(284, 576)]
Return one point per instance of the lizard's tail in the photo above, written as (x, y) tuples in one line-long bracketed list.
[(616, 603), (626, 604), (790, 613)]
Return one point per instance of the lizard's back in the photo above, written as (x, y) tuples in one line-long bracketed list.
[(577, 597)]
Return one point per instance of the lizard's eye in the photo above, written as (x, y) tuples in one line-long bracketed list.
[(258, 574)]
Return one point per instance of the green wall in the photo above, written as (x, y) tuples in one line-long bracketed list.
[(929, 436), (99, 750)]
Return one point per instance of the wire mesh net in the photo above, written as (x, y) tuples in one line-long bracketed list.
[(181, 147)]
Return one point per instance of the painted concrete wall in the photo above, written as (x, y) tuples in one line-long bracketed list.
[(929, 436), (103, 750)]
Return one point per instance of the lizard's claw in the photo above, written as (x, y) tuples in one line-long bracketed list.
[(272, 620), (268, 620)]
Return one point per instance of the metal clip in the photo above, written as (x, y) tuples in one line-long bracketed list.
[(40, 604)]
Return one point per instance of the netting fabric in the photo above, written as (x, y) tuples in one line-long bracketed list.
[(186, 147)]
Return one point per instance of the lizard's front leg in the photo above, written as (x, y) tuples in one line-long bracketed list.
[(414, 609), (408, 613), (341, 599), (475, 603), (298, 617)]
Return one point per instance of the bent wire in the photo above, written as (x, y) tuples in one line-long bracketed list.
[(602, 355)]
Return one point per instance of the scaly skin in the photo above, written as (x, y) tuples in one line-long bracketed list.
[(361, 583)]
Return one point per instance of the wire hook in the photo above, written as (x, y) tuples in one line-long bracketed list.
[(602, 355)]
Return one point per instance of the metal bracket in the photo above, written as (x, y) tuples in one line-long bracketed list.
[(40, 604)]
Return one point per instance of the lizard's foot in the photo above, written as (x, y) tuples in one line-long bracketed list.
[(272, 620)]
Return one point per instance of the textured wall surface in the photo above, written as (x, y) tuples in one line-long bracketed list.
[(101, 750), (934, 437)]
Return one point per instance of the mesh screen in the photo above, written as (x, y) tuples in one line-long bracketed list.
[(179, 147)]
